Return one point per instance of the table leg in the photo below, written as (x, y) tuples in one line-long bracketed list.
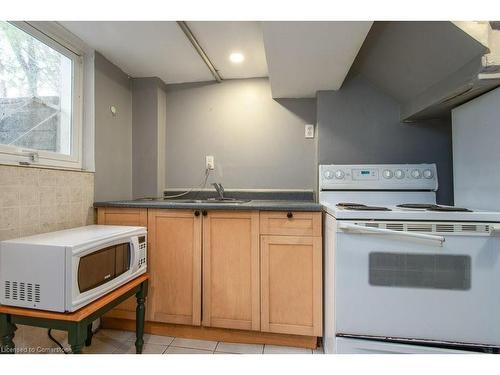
[(77, 335), (88, 341), (7, 329), (140, 313)]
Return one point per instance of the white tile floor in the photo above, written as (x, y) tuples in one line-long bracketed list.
[(106, 341)]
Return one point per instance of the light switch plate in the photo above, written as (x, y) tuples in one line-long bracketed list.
[(209, 162), (309, 131)]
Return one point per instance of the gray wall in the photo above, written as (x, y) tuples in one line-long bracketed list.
[(360, 124), (257, 142), (148, 146), (113, 134)]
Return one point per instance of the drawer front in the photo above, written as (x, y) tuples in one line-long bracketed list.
[(283, 223), (122, 216)]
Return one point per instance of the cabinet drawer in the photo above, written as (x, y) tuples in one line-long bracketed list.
[(122, 216), (283, 223)]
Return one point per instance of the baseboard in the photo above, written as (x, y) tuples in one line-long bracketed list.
[(214, 334)]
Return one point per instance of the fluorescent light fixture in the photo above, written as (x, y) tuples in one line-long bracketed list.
[(236, 57)]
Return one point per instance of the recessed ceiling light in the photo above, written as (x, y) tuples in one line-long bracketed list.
[(236, 57)]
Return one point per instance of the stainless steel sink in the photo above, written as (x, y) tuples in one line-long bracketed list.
[(197, 201), (208, 201)]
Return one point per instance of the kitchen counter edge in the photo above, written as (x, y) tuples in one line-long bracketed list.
[(262, 205)]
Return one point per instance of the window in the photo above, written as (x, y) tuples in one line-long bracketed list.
[(40, 99)]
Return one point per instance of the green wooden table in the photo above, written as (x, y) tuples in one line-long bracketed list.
[(78, 324)]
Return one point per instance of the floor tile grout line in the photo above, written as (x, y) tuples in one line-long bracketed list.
[(187, 347), (169, 345)]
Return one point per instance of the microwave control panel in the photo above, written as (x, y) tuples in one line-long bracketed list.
[(142, 252)]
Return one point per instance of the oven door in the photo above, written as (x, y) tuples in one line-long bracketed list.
[(417, 286)]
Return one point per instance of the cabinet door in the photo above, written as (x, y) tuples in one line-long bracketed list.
[(231, 291), (175, 266), (291, 277), (123, 216)]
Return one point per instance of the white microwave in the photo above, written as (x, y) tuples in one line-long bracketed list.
[(65, 270)]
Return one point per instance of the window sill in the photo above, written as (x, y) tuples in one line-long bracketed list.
[(42, 165)]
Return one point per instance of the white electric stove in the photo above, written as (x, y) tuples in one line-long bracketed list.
[(402, 273)]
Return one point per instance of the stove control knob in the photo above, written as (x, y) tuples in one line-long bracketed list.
[(416, 173), (328, 175), (428, 174), (399, 174), (387, 174), (339, 175)]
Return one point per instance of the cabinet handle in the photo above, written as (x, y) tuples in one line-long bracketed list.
[(197, 213), (289, 215), (204, 213)]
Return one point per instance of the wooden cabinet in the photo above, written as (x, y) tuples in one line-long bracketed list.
[(174, 238), (231, 280), (244, 270), (123, 216), (283, 223), (291, 290)]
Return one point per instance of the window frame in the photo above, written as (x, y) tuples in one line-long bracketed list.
[(14, 155)]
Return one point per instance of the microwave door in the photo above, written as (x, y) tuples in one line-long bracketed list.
[(102, 266), (97, 271), (418, 288)]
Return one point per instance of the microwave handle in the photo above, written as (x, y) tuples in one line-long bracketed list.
[(361, 229), (134, 248)]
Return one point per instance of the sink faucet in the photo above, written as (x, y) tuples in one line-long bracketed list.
[(220, 190)]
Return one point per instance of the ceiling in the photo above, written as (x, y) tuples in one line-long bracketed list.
[(144, 49), (160, 48), (300, 58), (305, 57), (219, 39)]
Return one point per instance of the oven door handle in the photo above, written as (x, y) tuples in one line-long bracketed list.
[(494, 230), (361, 229)]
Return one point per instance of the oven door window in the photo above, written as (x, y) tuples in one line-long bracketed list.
[(102, 266), (435, 271)]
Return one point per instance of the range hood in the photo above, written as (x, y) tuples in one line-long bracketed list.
[(430, 67), (475, 78), (472, 80)]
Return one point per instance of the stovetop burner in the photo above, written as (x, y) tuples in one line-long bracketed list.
[(361, 207), (449, 209), (433, 207), (423, 206), (349, 204)]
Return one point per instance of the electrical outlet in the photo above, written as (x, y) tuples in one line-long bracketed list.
[(309, 131), (209, 162)]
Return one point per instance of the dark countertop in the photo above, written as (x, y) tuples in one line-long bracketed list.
[(258, 200), (263, 205)]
